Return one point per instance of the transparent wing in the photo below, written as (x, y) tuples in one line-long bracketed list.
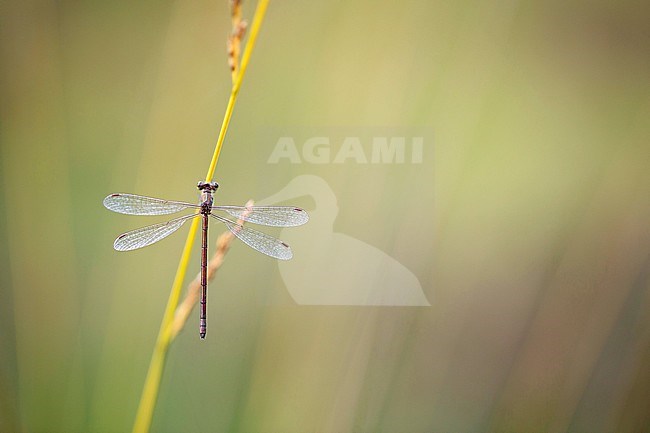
[(257, 240), (144, 236), (277, 216), (132, 204)]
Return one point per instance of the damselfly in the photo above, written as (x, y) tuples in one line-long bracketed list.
[(278, 216)]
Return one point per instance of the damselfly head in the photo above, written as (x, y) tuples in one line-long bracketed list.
[(209, 186)]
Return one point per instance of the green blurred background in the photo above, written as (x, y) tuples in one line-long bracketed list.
[(528, 224)]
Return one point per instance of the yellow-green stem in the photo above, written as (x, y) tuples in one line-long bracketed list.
[(255, 28), (152, 382)]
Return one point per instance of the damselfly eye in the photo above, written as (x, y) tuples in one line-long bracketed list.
[(212, 186)]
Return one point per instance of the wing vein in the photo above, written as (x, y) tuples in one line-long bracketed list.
[(131, 204), (148, 235), (276, 216), (259, 241)]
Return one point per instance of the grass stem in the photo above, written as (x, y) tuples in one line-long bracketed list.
[(149, 395)]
